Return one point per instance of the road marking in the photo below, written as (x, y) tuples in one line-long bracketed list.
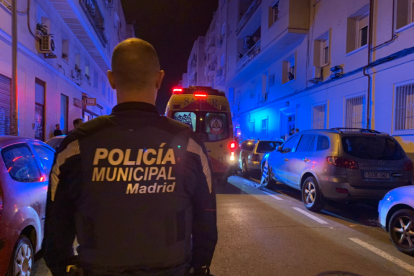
[(340, 217), (272, 195), (384, 255), (310, 215)]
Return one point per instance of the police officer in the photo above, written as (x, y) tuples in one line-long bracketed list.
[(134, 187)]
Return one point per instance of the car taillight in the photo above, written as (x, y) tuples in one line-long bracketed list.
[(408, 166), (232, 145), (256, 157), (232, 156), (342, 162)]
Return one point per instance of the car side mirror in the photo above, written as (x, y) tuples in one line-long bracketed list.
[(279, 148)]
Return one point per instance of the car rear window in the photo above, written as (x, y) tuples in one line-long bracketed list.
[(372, 147), (248, 145), (267, 146)]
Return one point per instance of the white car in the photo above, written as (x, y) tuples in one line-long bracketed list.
[(54, 142), (396, 215)]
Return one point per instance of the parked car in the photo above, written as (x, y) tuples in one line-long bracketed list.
[(24, 171), (396, 215), (339, 164), (54, 142), (251, 154)]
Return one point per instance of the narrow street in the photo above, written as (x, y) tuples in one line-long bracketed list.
[(263, 232)]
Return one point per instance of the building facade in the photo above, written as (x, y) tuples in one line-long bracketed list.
[(62, 62), (319, 64)]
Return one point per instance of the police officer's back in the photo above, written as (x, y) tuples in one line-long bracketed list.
[(134, 187)]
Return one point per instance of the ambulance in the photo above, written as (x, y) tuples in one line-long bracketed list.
[(207, 112)]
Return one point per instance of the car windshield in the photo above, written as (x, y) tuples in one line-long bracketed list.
[(372, 147), (212, 126), (267, 146)]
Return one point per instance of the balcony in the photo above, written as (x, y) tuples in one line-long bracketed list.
[(276, 40), (248, 14), (86, 21), (91, 9)]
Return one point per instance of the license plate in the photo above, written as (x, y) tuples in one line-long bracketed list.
[(377, 175)]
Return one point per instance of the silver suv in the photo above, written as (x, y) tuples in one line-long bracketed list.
[(339, 164)]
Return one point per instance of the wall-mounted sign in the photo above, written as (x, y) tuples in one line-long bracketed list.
[(89, 101), (77, 103)]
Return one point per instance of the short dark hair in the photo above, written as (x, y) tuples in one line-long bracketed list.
[(56, 125), (134, 61), (77, 121)]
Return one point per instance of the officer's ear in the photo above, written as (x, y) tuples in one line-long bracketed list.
[(111, 79), (160, 77)]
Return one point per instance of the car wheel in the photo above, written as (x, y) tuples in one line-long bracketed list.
[(267, 176), (311, 195), (401, 228), (245, 170), (22, 259)]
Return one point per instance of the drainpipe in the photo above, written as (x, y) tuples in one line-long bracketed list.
[(371, 49), (14, 130)]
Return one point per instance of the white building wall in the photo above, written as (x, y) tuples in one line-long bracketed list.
[(57, 72)]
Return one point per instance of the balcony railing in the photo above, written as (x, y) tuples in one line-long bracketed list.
[(250, 11), (95, 16), (254, 51)]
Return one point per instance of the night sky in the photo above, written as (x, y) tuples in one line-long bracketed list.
[(171, 26)]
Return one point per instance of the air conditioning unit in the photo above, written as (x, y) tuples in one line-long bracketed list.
[(109, 3), (47, 46), (314, 74)]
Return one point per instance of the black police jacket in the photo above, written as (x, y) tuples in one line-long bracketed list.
[(135, 188)]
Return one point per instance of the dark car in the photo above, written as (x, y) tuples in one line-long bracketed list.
[(24, 171)]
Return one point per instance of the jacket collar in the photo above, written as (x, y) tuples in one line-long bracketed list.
[(135, 106)]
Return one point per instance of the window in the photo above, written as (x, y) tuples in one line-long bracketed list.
[(267, 146), (46, 157), (264, 128), (290, 144), (188, 118), (64, 107), (40, 109), (228, 63), (289, 69), (222, 61), (65, 50), (77, 60), (363, 30), (252, 129), (248, 145), (216, 126), (20, 163), (95, 79), (6, 3), (321, 50), (271, 80), (291, 124), (104, 88), (323, 143), (223, 29), (319, 117), (305, 142), (357, 29), (404, 13), (274, 13), (404, 107), (5, 105), (372, 147), (87, 73), (355, 112), (253, 89)]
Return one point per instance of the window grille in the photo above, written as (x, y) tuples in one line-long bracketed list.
[(404, 107), (355, 112), (319, 118)]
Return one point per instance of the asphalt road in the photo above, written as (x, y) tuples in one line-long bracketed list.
[(263, 232)]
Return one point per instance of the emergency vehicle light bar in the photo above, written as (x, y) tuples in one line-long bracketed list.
[(198, 90)]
